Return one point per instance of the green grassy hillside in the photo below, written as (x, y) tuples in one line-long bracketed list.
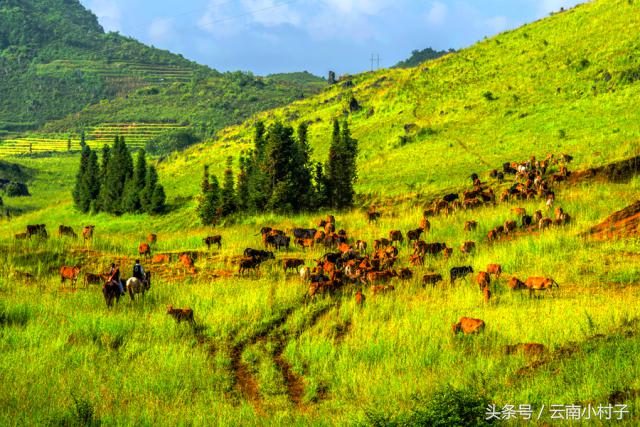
[(262, 354), (57, 63)]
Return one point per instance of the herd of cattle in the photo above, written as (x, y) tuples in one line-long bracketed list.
[(348, 261)]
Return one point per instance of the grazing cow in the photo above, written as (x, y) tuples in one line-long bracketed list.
[(431, 278), (248, 264), (69, 273), (305, 273), (319, 236), (181, 314), (330, 228), (322, 223), (459, 272), (95, 279), (331, 219), (360, 298), (379, 276), (292, 263), (416, 260), (278, 241), (187, 260), (414, 235), (519, 211), (544, 223), (510, 226), (529, 349), (63, 230), (152, 238), (380, 243), (468, 325), (470, 225), (425, 225), (344, 248), (303, 233), (373, 216), (21, 236), (361, 245), (516, 284), (160, 258), (258, 254), (381, 289), (38, 230), (451, 197), (483, 279), (492, 235), (467, 247), (144, 249), (304, 243), (447, 252), (487, 293), (422, 248), (395, 236), (495, 269), (537, 216), (526, 221), (540, 284), (405, 274), (87, 232), (213, 240)]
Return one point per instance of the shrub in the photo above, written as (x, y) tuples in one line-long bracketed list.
[(489, 96), (169, 142)]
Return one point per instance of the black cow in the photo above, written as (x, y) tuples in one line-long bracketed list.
[(527, 220), (278, 241), (303, 233), (451, 197), (460, 272), (259, 254)]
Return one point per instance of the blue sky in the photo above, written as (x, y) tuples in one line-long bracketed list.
[(269, 36)]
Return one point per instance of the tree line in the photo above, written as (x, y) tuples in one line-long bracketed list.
[(116, 185), (278, 175)]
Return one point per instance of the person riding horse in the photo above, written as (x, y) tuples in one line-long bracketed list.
[(138, 272), (114, 278)]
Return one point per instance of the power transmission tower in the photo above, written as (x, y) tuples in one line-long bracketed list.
[(375, 57)]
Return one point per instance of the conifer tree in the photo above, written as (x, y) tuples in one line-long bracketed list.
[(77, 190), (228, 194), (158, 201), (259, 185), (242, 187), (208, 201), (90, 182)]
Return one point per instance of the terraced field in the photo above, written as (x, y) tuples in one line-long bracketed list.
[(136, 135)]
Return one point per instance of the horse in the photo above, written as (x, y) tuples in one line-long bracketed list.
[(137, 286), (110, 291)]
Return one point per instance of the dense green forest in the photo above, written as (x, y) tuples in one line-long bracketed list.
[(55, 60), (419, 56)]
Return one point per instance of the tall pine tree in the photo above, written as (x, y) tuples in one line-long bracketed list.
[(209, 199), (78, 197), (229, 204)]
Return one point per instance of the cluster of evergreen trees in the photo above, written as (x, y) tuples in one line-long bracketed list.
[(117, 186), (278, 175)]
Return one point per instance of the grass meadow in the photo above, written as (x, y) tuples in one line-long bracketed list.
[(262, 354)]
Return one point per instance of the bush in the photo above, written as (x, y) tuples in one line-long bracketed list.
[(169, 142), (16, 189)]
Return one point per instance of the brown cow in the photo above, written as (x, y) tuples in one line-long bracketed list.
[(361, 245), (360, 298), (529, 349), (537, 216), (180, 314), (492, 235), (187, 260), (467, 247), (160, 258), (416, 260), (331, 219), (414, 235), (495, 269), (293, 263), (487, 293), (144, 249), (425, 225), (213, 240), (152, 238), (329, 228), (87, 232), (510, 226), (516, 284), (21, 236), (544, 223), (381, 289), (395, 236), (470, 225), (431, 278), (519, 211), (540, 284), (380, 276), (468, 325), (380, 243), (95, 279), (304, 243), (483, 279), (63, 230), (373, 216), (405, 274), (447, 252), (69, 273)]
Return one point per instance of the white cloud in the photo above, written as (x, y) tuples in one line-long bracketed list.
[(270, 14), (437, 14), (217, 21), (161, 29), (109, 14)]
